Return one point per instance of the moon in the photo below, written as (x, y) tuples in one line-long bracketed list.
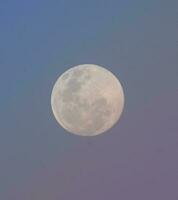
[(87, 100)]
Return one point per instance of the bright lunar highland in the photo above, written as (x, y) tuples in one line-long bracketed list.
[(87, 100)]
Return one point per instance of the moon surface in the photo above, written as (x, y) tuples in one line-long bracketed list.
[(87, 100)]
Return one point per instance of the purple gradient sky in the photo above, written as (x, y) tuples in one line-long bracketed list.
[(137, 159), (137, 41)]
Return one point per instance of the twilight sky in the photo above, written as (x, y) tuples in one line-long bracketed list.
[(137, 41)]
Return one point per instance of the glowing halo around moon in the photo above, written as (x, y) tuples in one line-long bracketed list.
[(87, 100)]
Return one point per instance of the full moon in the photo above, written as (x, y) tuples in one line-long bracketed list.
[(87, 100)]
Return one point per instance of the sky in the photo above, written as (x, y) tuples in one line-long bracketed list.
[(136, 40)]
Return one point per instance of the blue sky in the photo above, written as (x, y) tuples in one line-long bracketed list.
[(39, 40)]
